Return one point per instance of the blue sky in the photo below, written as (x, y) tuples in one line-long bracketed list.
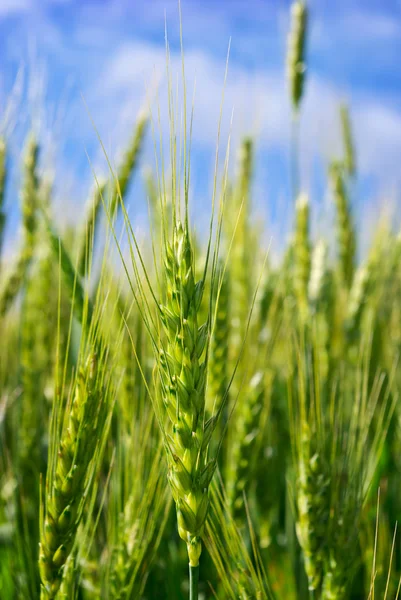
[(53, 53)]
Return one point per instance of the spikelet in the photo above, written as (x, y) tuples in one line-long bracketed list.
[(345, 227), (68, 586), (70, 473), (302, 255), (296, 52), (349, 154)]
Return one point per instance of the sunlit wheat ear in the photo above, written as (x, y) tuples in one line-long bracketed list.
[(296, 52)]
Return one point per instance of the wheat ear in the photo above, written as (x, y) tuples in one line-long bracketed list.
[(183, 378), (70, 473), (296, 67), (15, 278), (345, 227)]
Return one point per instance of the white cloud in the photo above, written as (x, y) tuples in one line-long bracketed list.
[(12, 7), (378, 132), (260, 102), (257, 98), (371, 25)]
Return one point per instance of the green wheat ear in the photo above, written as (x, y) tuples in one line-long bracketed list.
[(218, 375), (296, 67), (29, 202), (73, 461), (182, 368), (302, 255), (181, 347), (346, 238), (117, 187), (348, 142)]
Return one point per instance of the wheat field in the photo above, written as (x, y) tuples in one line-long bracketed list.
[(181, 416)]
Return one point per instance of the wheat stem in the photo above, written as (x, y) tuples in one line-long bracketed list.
[(193, 582)]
